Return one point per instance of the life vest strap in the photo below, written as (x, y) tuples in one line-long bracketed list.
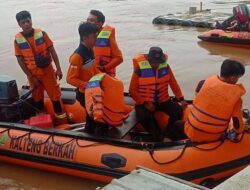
[(209, 115), (198, 129), (208, 123)]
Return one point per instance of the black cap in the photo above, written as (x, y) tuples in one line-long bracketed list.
[(156, 55)]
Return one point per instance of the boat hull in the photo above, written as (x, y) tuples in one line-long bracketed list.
[(229, 38), (102, 159)]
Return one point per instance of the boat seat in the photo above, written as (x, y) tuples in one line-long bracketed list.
[(129, 123), (68, 95), (128, 100)]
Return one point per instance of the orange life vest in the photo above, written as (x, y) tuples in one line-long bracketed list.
[(26, 49), (105, 100), (102, 49), (212, 109), (152, 87)]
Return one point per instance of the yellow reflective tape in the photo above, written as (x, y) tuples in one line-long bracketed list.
[(61, 116), (20, 40), (104, 34), (97, 77), (144, 65), (229, 35), (38, 35), (163, 65)]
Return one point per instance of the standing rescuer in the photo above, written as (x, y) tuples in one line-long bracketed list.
[(107, 53), (149, 88), (82, 62), (34, 49)]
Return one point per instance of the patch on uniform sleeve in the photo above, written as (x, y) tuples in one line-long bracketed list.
[(4, 139)]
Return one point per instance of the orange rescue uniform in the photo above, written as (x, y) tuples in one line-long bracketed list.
[(105, 100), (23, 47), (106, 50), (215, 105), (81, 68), (149, 85), (141, 93)]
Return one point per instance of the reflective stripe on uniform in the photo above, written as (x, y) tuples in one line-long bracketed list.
[(61, 116), (104, 34)]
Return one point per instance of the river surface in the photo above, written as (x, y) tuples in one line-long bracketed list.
[(190, 59)]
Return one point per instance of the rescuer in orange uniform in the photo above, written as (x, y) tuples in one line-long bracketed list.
[(149, 88), (105, 102), (34, 49), (218, 101), (107, 53), (82, 62)]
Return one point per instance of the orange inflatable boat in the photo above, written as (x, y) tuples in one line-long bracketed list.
[(231, 38), (69, 150)]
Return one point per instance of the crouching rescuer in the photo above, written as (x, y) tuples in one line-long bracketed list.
[(34, 49), (105, 104), (218, 102)]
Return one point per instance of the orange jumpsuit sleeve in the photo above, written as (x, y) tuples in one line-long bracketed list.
[(133, 88), (116, 55), (237, 116), (174, 85), (73, 75)]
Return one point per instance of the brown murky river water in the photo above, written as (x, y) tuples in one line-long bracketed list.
[(190, 59)]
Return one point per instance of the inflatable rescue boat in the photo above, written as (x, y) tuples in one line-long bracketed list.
[(69, 150), (231, 38)]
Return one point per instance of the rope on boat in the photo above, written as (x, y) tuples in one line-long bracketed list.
[(221, 142), (61, 144), (151, 153), (209, 149), (28, 134), (38, 144), (88, 145), (16, 138)]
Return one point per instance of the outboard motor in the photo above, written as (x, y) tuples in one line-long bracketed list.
[(8, 96), (8, 90), (241, 16), (242, 12)]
